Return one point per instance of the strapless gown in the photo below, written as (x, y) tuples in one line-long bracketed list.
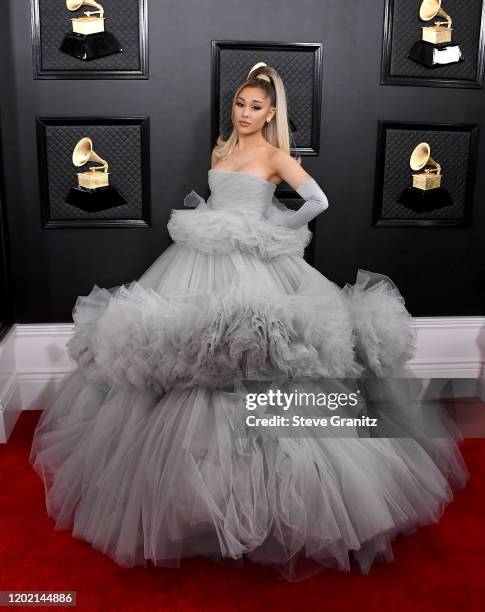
[(146, 452)]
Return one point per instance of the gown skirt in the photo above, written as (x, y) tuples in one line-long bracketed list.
[(146, 452)]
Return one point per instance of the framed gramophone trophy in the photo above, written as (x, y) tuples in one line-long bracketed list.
[(93, 191), (435, 47), (426, 192), (424, 174), (439, 43), (89, 40), (94, 172), (233, 60)]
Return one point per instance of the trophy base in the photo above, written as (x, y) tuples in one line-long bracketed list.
[(94, 200), (88, 47), (421, 201), (431, 56)]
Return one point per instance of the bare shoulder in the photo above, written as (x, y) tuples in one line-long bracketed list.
[(278, 156), (288, 168)]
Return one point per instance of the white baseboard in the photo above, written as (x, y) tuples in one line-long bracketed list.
[(451, 347), (34, 360)]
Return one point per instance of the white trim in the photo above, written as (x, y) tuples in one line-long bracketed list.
[(449, 347), (10, 401), (33, 363), (34, 360)]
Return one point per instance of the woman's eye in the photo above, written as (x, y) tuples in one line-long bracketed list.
[(257, 108)]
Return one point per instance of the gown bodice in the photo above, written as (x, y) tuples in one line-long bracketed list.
[(240, 214), (240, 190)]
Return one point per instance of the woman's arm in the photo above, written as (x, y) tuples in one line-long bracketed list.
[(315, 201)]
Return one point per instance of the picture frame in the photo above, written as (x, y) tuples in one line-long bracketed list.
[(402, 26), (127, 23), (300, 66), (453, 145), (123, 141)]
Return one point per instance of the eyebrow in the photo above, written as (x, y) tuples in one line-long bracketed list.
[(255, 100)]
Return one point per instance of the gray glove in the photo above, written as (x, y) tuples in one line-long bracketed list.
[(315, 203)]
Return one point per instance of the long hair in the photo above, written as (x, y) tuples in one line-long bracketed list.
[(276, 132)]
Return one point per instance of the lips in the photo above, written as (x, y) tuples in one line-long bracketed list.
[(244, 123)]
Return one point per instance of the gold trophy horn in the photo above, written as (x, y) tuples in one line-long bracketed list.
[(421, 156), (432, 8), (83, 153), (430, 178), (95, 176)]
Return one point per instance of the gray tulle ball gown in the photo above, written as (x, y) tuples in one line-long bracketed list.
[(145, 453)]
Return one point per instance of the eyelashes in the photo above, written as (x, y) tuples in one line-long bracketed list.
[(257, 108)]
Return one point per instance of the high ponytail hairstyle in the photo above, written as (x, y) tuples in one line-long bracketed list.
[(277, 131)]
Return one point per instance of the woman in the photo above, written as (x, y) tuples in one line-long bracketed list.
[(152, 452)]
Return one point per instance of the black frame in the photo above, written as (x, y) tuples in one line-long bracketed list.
[(218, 45), (40, 73), (47, 223), (387, 79), (382, 126)]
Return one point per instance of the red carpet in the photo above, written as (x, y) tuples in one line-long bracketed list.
[(440, 567)]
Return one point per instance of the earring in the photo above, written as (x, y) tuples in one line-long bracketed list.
[(268, 120)]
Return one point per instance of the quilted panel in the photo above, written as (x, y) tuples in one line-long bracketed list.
[(297, 71), (450, 149), (122, 20), (119, 145)]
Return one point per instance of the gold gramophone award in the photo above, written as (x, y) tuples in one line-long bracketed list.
[(88, 39), (434, 48), (93, 191), (429, 178), (426, 192)]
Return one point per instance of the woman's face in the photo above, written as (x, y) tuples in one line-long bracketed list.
[(252, 109)]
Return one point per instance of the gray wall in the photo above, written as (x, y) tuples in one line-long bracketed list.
[(7, 114), (439, 271)]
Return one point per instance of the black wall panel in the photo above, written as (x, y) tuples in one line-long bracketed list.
[(440, 271)]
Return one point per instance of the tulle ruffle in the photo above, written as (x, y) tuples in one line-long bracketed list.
[(223, 231), (129, 335), (148, 478), (385, 336)]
